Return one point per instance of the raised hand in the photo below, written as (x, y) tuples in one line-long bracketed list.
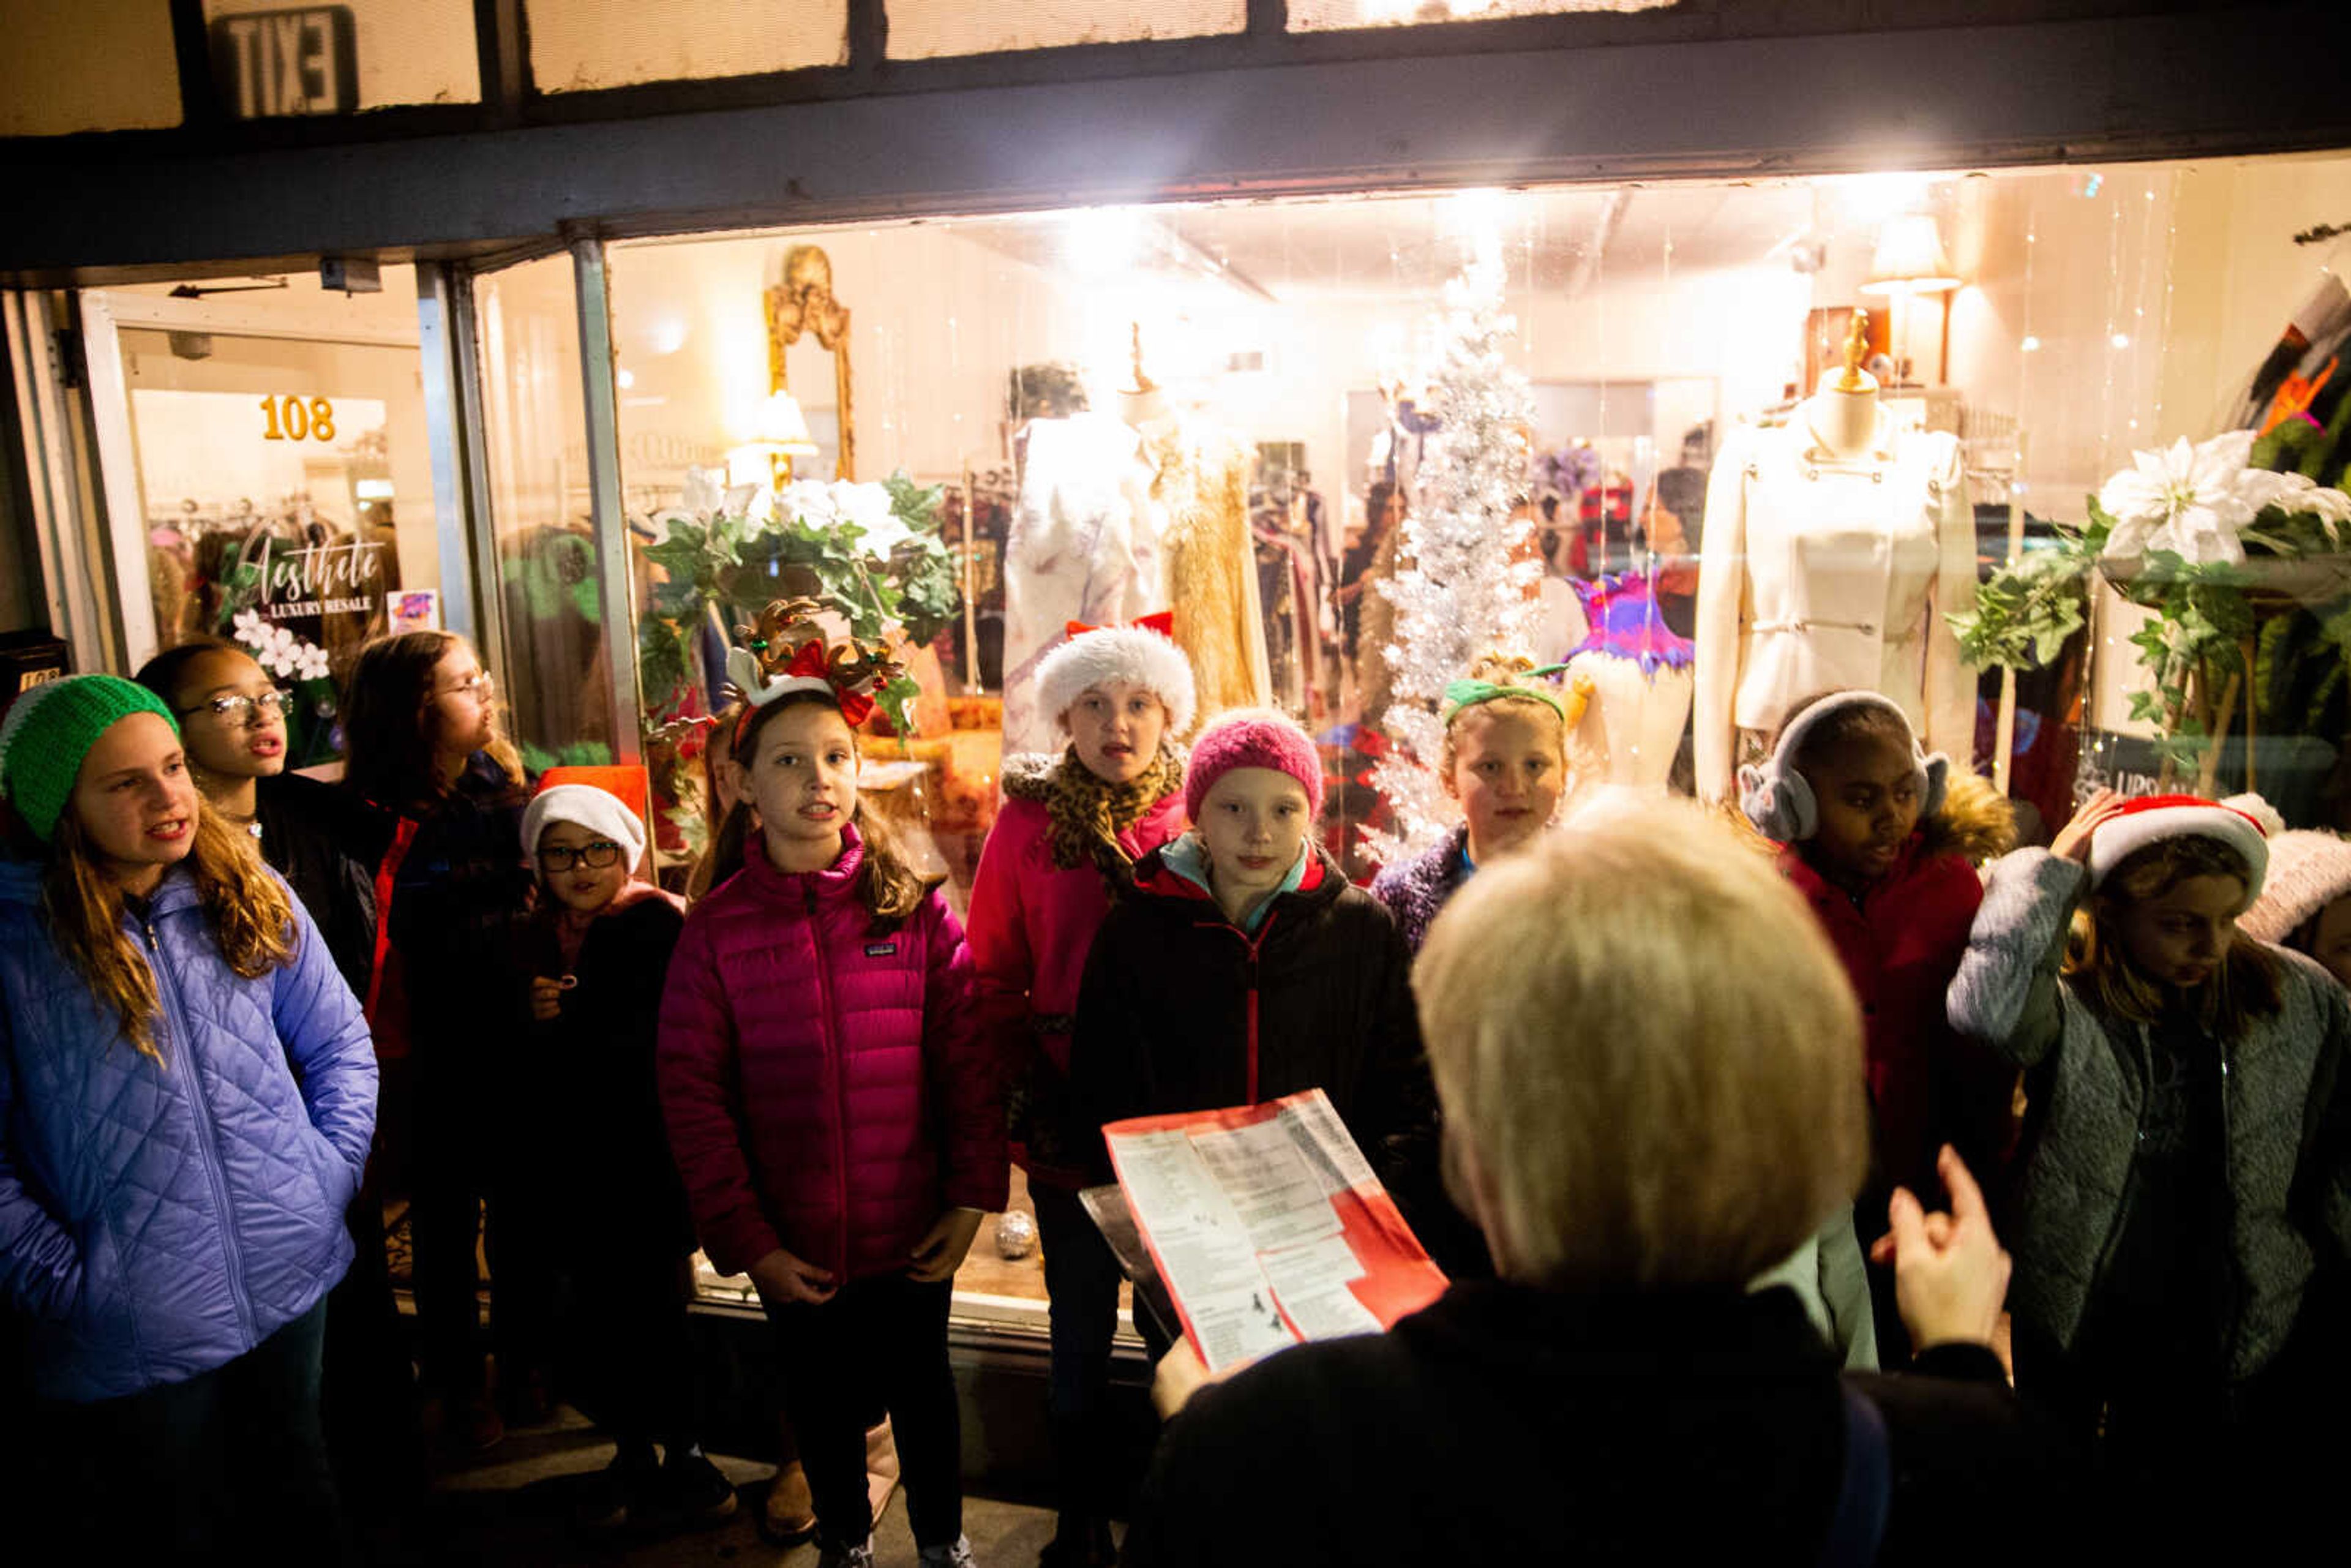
[(1950, 1273), (2072, 840)]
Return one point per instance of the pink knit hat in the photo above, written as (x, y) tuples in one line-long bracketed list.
[(1252, 737)]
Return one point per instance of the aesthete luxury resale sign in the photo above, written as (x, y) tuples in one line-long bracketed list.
[(275, 63)]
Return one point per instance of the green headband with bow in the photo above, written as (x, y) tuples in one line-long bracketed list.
[(1467, 693)]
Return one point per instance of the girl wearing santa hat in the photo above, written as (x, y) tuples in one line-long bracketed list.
[(2183, 1203)]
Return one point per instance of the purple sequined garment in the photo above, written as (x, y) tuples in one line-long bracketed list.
[(1623, 613)]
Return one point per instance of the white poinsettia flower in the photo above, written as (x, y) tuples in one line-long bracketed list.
[(807, 502), (868, 506), (2193, 500), (704, 492), (2295, 495)]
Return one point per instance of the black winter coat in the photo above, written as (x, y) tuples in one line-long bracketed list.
[(1182, 1011), (326, 844), (1504, 1423), (594, 1153)]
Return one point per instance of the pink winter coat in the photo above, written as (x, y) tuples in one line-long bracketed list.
[(1031, 927), (826, 1085)]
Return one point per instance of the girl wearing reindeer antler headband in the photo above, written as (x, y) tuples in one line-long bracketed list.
[(830, 1097)]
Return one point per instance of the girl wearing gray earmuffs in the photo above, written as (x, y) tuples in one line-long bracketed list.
[(1883, 841)]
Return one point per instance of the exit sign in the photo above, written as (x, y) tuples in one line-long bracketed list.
[(275, 63)]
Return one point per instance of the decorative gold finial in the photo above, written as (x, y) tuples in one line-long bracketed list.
[(1856, 348)]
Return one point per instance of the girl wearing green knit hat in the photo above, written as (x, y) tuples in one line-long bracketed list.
[(172, 1193)]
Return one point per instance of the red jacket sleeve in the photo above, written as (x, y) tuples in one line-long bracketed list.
[(960, 1063), (1002, 967), (696, 1067)]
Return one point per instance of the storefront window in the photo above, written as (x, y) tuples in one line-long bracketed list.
[(272, 438), (579, 45), (924, 29), (1331, 426), (552, 662)]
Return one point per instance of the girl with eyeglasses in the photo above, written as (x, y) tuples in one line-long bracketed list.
[(327, 846), (421, 726), (602, 1200)]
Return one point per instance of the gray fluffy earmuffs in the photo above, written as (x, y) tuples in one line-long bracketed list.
[(1778, 802)]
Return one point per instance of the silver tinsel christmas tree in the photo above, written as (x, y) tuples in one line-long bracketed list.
[(1458, 592)]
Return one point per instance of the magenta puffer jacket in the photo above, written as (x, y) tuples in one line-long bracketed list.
[(826, 1084)]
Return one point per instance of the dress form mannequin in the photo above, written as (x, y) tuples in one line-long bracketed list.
[(1072, 555), (1641, 685), (1834, 548)]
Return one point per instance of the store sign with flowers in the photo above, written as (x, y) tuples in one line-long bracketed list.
[(2245, 573)]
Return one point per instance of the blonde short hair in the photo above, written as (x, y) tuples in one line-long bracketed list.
[(1644, 1039)]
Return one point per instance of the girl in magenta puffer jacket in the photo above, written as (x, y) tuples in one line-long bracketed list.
[(831, 1102)]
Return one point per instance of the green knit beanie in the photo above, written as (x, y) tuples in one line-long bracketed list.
[(51, 728)]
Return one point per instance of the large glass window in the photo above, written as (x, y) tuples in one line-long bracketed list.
[(1265, 416)]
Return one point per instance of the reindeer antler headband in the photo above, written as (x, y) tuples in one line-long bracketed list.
[(786, 651)]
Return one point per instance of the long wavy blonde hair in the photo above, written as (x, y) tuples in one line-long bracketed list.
[(249, 913)]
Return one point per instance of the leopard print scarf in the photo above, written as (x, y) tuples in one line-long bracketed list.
[(1086, 815)]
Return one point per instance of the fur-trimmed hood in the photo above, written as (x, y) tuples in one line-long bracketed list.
[(1976, 821)]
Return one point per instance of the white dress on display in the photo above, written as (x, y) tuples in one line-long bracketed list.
[(1078, 551), (1821, 571)]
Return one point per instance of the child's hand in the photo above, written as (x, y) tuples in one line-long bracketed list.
[(1951, 1274), (783, 1279), (2072, 840), (545, 998), (941, 1250)]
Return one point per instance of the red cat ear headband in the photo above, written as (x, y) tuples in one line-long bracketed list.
[(788, 651)]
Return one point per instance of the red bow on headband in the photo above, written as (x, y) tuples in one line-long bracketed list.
[(1162, 622), (808, 659)]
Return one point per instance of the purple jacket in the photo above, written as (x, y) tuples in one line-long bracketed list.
[(158, 1220), (827, 1086), (1415, 890)]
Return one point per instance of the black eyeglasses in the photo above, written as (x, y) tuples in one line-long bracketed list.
[(597, 853), (241, 709)]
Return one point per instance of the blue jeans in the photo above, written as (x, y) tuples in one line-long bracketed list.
[(230, 1465)]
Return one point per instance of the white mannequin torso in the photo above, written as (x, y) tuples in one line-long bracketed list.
[(1826, 565)]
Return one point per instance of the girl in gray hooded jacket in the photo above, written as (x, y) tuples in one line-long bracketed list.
[(2183, 1202)]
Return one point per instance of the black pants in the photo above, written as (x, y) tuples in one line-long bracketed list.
[(368, 1394), (229, 1466), (1081, 1279), (635, 1352), (886, 1337)]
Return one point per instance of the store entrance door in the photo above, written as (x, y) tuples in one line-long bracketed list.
[(267, 475)]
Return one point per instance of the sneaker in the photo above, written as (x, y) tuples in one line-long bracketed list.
[(695, 1489), (956, 1555), (858, 1557)]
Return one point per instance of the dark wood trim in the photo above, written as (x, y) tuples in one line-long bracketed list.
[(192, 49), (502, 41), (2200, 83)]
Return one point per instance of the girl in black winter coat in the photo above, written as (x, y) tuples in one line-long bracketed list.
[(601, 1201), (1241, 966)]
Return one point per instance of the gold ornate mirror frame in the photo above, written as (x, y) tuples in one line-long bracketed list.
[(804, 303)]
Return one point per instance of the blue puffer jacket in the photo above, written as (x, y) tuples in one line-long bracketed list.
[(157, 1221)]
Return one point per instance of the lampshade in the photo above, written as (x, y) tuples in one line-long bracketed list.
[(1910, 258), (782, 427)]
